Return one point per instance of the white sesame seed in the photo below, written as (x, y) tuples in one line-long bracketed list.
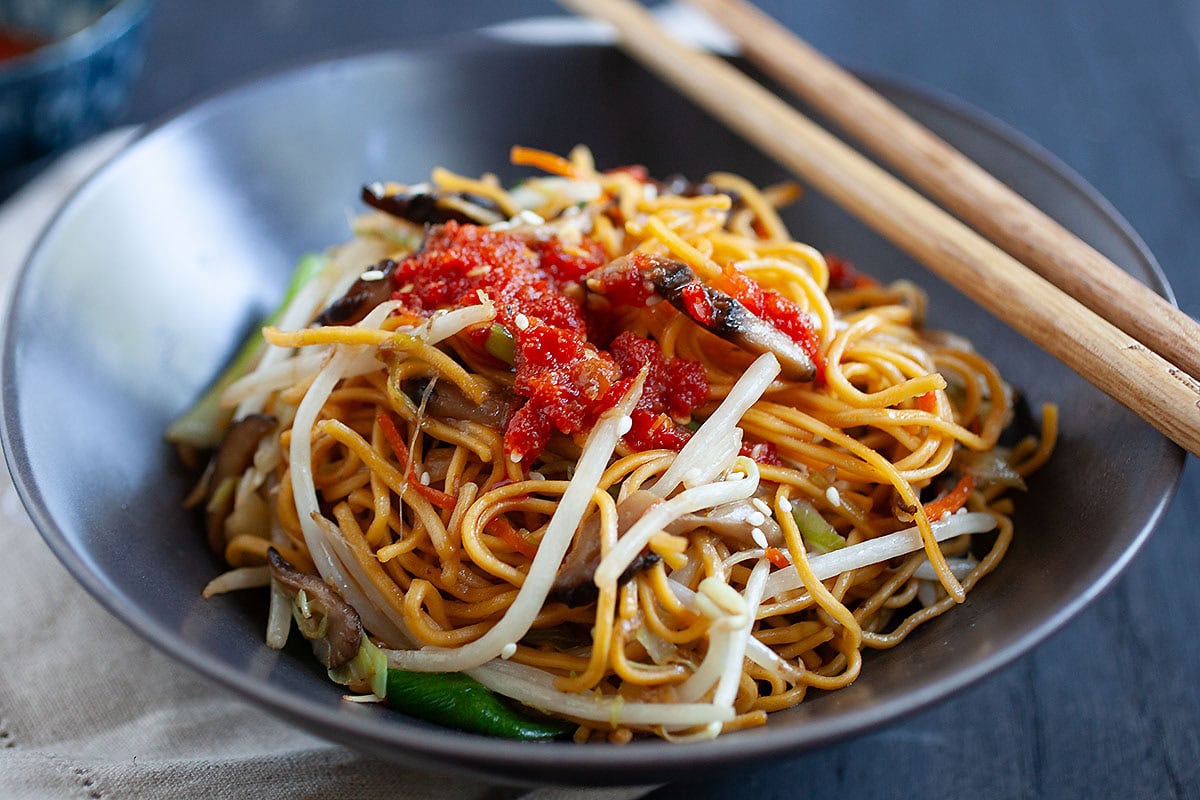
[(961, 510), (758, 503), (759, 537), (508, 651), (785, 506), (372, 275), (831, 494), (624, 426), (406, 288), (521, 321), (945, 516), (425, 478), (515, 457), (756, 518), (653, 300), (536, 476)]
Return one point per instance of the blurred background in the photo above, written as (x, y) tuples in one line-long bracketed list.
[(1110, 87)]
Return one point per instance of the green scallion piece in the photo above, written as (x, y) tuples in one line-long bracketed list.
[(500, 343), (819, 536), (459, 701)]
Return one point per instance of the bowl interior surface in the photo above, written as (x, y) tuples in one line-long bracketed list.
[(145, 283)]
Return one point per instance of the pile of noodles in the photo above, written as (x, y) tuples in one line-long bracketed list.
[(710, 638)]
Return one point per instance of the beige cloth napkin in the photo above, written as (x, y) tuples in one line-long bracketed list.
[(88, 710)]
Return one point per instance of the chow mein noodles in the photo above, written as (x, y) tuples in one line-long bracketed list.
[(601, 456)]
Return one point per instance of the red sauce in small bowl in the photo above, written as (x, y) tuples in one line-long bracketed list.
[(15, 42)]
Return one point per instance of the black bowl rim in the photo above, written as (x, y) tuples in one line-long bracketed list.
[(112, 24), (648, 761)]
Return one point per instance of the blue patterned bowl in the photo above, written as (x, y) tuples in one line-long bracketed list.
[(77, 83)]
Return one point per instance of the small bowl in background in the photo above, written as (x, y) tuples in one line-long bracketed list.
[(73, 79)]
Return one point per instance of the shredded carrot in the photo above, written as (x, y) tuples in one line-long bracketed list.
[(776, 557), (953, 500), (435, 496), (500, 527), (393, 438), (396, 442), (927, 402), (547, 162)]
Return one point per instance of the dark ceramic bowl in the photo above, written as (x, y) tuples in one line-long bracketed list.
[(141, 288), (74, 85)]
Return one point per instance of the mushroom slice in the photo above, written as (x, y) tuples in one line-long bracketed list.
[(447, 401), (711, 309), (734, 522), (574, 584), (362, 296), (424, 206), (232, 459), (329, 623)]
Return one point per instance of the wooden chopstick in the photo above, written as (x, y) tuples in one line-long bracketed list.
[(1161, 393), (961, 185)]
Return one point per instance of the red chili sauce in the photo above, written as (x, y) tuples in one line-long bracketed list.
[(568, 376), (776, 309), (14, 42)]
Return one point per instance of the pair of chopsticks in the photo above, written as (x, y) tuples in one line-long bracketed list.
[(1081, 308)]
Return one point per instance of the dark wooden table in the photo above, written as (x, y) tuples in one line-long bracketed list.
[(1110, 706)]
